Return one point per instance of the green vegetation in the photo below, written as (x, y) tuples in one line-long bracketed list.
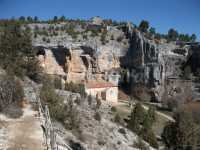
[(117, 118), (89, 98), (141, 145), (144, 26), (141, 122), (172, 34), (11, 91), (65, 113), (16, 52), (97, 116), (76, 88), (184, 133)]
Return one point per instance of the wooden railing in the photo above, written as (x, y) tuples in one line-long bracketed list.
[(49, 134)]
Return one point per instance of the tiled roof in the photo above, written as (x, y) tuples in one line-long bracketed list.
[(99, 84)]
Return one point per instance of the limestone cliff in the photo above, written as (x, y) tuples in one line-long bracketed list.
[(148, 63)]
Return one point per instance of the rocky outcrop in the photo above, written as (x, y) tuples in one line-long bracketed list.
[(149, 64)]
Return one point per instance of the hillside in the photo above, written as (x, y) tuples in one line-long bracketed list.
[(97, 84)]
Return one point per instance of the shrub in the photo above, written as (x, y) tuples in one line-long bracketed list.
[(122, 131), (98, 103), (137, 117), (16, 50), (77, 101), (57, 83), (144, 25), (113, 109), (65, 113), (97, 116), (11, 91), (44, 39), (89, 98), (76, 88), (49, 97), (117, 118), (119, 39), (48, 41), (112, 37), (140, 145)]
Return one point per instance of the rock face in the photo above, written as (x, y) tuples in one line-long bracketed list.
[(149, 64)]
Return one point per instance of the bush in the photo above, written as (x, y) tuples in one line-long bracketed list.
[(137, 117), (150, 137), (119, 39), (113, 109), (97, 116), (49, 97), (89, 98), (57, 83), (16, 50), (98, 103), (48, 41), (117, 118), (11, 91), (122, 131), (44, 39), (76, 88), (140, 145), (65, 113)]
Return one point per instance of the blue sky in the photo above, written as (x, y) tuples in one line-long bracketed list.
[(183, 15)]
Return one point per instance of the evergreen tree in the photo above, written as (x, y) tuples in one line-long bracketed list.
[(29, 19), (193, 37), (184, 133), (137, 117), (16, 51), (172, 34), (144, 26), (152, 31), (62, 18), (36, 19), (22, 18), (55, 19)]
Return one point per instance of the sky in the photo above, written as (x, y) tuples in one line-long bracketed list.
[(183, 15)]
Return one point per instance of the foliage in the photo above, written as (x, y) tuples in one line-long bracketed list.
[(57, 83), (89, 98), (140, 145), (76, 88), (98, 103), (113, 109), (137, 116), (141, 122), (119, 39), (184, 133), (49, 97), (117, 118), (66, 113), (16, 51), (144, 26), (151, 114), (62, 18), (97, 116), (152, 31), (172, 34), (11, 91), (55, 18)]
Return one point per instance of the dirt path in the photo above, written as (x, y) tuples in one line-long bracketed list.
[(25, 133)]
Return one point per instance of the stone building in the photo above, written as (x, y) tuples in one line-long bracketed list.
[(103, 90)]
